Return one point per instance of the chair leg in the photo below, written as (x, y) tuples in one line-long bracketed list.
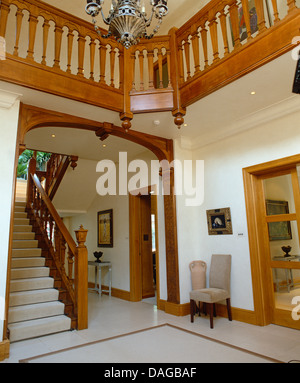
[(229, 309), (192, 309), (211, 314)]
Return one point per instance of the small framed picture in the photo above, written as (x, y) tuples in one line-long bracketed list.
[(278, 231), (105, 228), (219, 221)]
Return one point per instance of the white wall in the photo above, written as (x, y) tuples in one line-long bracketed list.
[(224, 161), (9, 114)]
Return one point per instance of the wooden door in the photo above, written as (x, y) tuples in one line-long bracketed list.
[(146, 247), (273, 211)]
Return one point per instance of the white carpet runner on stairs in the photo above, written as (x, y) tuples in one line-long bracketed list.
[(34, 309)]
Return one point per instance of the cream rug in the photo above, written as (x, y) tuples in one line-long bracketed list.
[(161, 344)]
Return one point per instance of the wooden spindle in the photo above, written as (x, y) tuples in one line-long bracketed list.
[(70, 38), (92, 58), (46, 27), (203, 33), (186, 46), (81, 50), (196, 50), (214, 38), (261, 22), (57, 46), (150, 56), (245, 5), (160, 68), (169, 68), (19, 16), (181, 64), (224, 31), (141, 67), (133, 62), (32, 33), (121, 69), (102, 53), (4, 6), (276, 13), (234, 16), (291, 5), (112, 55)]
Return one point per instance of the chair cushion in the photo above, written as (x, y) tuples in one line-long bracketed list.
[(210, 295)]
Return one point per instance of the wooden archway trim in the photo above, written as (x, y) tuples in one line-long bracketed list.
[(33, 117)]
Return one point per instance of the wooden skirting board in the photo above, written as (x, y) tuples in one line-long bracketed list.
[(4, 350)]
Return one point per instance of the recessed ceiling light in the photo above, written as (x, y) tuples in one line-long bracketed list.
[(53, 135), (104, 146), (185, 125), (253, 93)]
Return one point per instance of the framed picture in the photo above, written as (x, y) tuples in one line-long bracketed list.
[(105, 228), (253, 20), (278, 231), (219, 221)]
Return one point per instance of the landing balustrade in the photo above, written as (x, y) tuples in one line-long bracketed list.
[(53, 51)]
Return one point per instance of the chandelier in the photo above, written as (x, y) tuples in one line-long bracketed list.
[(127, 19)]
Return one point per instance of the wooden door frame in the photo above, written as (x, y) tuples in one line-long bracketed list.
[(260, 264), (134, 244)]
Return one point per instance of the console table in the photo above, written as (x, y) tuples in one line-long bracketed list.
[(288, 272), (98, 276)]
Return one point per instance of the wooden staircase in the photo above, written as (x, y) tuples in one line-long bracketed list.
[(35, 307)]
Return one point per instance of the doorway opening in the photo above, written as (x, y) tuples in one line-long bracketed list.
[(144, 254)]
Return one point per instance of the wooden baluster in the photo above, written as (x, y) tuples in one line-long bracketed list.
[(187, 57), (58, 37), (46, 27), (181, 65), (112, 54), (81, 49), (234, 16), (224, 31), (245, 5), (214, 38), (203, 33), (57, 242), (4, 6), (195, 46), (160, 68), (261, 22), (133, 60), (150, 56), (81, 279), (102, 53), (291, 5), (62, 254), (141, 67), (32, 33), (70, 37), (121, 69), (169, 68), (92, 58), (70, 266), (276, 13), (19, 16)]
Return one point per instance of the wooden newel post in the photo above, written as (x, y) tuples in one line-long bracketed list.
[(81, 279)]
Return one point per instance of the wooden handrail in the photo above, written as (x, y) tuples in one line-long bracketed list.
[(72, 264), (54, 214)]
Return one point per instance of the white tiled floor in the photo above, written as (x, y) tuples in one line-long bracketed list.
[(109, 317)]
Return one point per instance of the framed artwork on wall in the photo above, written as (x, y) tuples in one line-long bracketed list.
[(219, 221), (105, 228), (278, 231)]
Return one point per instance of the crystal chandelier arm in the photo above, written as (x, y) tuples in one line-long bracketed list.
[(155, 30)]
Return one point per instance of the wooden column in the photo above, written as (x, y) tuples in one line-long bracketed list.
[(32, 33), (4, 6), (81, 279), (19, 16)]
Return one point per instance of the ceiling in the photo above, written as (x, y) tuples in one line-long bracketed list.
[(225, 112)]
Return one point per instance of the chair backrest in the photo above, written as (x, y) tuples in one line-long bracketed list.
[(220, 269), (198, 274)]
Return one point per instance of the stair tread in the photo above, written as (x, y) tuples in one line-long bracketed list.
[(23, 313)]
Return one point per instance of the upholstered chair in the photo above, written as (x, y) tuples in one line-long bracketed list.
[(219, 287), (198, 276)]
